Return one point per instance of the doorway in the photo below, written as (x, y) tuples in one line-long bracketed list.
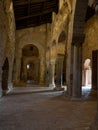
[(30, 64)]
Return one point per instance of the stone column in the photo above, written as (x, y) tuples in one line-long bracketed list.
[(52, 74), (42, 70), (10, 82), (69, 70), (77, 71), (47, 72), (59, 71), (18, 69)]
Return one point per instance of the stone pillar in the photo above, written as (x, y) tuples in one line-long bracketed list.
[(59, 71), (61, 3), (47, 72), (69, 70), (42, 70), (18, 69), (52, 74), (10, 80), (77, 71)]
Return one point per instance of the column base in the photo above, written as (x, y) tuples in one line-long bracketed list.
[(4, 92), (52, 86), (10, 87)]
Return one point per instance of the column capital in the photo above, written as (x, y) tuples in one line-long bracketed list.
[(53, 61)]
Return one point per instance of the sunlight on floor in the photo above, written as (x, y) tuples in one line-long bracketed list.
[(86, 90), (87, 87)]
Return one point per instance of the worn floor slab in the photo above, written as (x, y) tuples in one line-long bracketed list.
[(45, 111)]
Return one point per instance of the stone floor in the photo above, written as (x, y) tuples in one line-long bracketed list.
[(40, 108)]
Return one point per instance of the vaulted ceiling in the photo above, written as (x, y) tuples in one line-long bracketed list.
[(30, 13)]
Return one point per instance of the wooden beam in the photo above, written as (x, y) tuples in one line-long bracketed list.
[(36, 14)]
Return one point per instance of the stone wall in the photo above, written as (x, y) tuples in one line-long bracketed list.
[(91, 38)]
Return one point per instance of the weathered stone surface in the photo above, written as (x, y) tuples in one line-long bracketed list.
[(10, 45), (3, 40), (7, 37), (35, 108), (91, 38)]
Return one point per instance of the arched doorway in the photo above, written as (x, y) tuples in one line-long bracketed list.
[(87, 73), (30, 71), (30, 64), (5, 71)]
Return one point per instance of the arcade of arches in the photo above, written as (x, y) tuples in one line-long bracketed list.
[(63, 52)]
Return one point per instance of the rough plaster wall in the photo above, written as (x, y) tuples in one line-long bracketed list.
[(3, 39), (91, 38)]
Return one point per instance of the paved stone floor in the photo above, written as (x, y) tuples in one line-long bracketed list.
[(27, 108)]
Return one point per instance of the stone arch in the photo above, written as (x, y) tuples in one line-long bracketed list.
[(35, 43), (62, 39), (5, 73), (30, 50), (62, 36), (30, 64), (41, 50), (61, 20)]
